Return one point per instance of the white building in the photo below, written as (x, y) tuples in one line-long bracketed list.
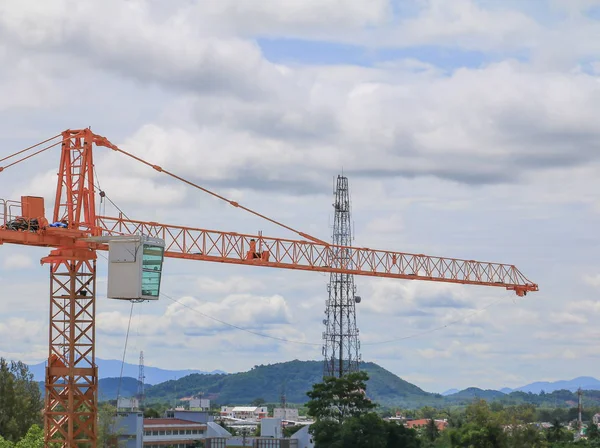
[(200, 404), (286, 414), (178, 433), (271, 427), (128, 404), (244, 412), (304, 438)]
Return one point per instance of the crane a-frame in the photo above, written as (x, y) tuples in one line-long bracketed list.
[(71, 386)]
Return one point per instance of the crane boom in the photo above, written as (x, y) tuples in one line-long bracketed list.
[(258, 250)]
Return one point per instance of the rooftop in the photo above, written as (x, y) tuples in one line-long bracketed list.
[(170, 422)]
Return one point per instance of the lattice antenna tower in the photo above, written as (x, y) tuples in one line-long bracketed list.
[(341, 346), (579, 408), (283, 399), (141, 394)]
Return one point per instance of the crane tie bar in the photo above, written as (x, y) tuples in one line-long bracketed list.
[(104, 142)]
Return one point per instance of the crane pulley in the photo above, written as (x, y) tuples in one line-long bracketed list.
[(75, 233)]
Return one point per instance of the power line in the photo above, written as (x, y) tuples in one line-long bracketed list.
[(292, 341), (256, 333)]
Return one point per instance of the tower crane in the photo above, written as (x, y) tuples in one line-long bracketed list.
[(75, 234)]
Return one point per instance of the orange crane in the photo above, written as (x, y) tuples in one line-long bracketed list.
[(75, 234)]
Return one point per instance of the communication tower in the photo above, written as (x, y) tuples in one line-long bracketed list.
[(141, 394), (341, 347)]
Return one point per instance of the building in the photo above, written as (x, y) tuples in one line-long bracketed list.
[(271, 427), (286, 414), (244, 412), (193, 416), (304, 438), (199, 404), (181, 429), (175, 432), (441, 424), (128, 428), (128, 404), (274, 443), (596, 419)]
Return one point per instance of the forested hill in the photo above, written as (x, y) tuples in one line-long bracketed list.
[(267, 381)]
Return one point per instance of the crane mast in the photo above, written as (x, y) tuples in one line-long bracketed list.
[(76, 233)]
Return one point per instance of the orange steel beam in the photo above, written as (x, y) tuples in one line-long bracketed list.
[(257, 250), (71, 400)]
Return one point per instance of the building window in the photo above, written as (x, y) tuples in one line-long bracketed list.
[(154, 433)]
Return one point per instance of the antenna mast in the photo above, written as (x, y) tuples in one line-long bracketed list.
[(341, 347), (141, 394), (579, 408)]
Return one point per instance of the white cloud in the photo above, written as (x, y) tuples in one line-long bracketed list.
[(491, 160), (17, 261)]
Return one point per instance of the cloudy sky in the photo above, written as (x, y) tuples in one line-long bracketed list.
[(467, 128)]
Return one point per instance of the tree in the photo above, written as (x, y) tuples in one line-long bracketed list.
[(431, 432), (289, 431), (401, 436), (108, 426), (337, 399), (33, 439), (592, 432), (20, 400), (151, 413), (364, 431), (258, 402), (344, 418), (556, 433)]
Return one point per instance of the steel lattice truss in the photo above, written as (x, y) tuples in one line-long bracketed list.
[(227, 247), (71, 385), (341, 347)]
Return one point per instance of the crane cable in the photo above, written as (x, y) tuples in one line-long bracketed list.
[(212, 193), (235, 204), (27, 149), (2, 168), (124, 353)]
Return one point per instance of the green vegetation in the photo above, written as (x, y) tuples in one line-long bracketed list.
[(20, 401), (34, 438), (345, 418), (264, 382)]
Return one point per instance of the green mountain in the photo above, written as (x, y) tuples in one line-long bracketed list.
[(266, 382), (474, 392)]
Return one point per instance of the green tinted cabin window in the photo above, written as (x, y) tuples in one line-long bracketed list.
[(152, 260)]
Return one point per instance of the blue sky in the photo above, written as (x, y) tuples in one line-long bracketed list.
[(466, 128)]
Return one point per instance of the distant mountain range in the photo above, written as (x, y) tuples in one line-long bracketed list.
[(111, 368), (585, 382), (267, 382), (297, 377)]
